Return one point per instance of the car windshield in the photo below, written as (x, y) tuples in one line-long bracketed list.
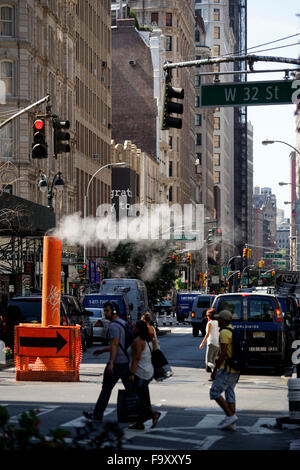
[(261, 310), (233, 304), (203, 303), (26, 310)]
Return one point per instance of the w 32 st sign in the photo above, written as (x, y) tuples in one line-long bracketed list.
[(251, 93)]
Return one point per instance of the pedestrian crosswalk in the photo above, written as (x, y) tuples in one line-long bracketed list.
[(184, 429)]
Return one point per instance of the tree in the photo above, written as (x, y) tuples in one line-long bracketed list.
[(151, 262)]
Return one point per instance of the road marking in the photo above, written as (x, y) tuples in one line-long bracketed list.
[(158, 437), (135, 447), (81, 421), (209, 441), (257, 426), (42, 411), (210, 421)]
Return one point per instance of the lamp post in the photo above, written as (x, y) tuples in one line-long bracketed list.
[(57, 183), (122, 164), (293, 241)]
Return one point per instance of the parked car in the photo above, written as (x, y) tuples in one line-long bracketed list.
[(184, 303), (100, 325), (28, 309), (91, 301), (197, 316), (260, 316)]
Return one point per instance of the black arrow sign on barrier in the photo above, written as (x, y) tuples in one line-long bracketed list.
[(30, 342)]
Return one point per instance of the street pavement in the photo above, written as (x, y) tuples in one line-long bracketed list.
[(188, 418)]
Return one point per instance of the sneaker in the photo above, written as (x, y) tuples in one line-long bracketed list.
[(228, 421), (232, 427), (91, 417)]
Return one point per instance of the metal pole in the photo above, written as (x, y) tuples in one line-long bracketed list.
[(206, 265), (84, 217), (19, 113)]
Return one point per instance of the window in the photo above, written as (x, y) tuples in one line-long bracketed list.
[(216, 14), (198, 119), (217, 141), (154, 18), (170, 141), (169, 19), (216, 67), (169, 43), (170, 168), (197, 80), (234, 305), (261, 310), (216, 32), (198, 57), (198, 139), (217, 177), (217, 159), (217, 1), (217, 49), (197, 35), (170, 194), (6, 71), (199, 158), (6, 141), (6, 19), (216, 123), (197, 101)]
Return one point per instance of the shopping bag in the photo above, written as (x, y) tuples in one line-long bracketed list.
[(128, 406), (162, 369)]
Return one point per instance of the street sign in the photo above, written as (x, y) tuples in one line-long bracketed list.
[(279, 263), (244, 280), (44, 342), (225, 271), (247, 94), (273, 255)]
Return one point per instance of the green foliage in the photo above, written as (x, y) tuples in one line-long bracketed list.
[(132, 14), (27, 436), (179, 285), (152, 263)]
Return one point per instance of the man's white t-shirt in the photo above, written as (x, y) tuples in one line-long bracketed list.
[(214, 332)]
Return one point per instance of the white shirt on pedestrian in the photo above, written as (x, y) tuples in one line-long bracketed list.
[(144, 368), (214, 332)]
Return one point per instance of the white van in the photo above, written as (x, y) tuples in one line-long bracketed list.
[(134, 290)]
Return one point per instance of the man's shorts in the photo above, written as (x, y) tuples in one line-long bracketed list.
[(224, 382)]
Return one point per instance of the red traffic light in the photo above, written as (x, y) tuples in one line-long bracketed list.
[(84, 266), (38, 124)]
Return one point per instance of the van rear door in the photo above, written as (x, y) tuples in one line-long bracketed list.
[(264, 325)]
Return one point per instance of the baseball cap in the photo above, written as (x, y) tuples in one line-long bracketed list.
[(225, 314)]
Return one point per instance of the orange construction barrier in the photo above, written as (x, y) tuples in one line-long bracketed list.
[(48, 351)]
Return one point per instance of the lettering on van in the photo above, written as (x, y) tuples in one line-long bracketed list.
[(288, 278)]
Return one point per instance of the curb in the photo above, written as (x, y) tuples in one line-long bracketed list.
[(163, 332), (9, 363)]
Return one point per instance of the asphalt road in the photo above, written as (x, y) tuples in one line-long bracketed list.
[(188, 418)]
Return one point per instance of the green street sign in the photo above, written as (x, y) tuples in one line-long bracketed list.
[(279, 263), (181, 237), (244, 281), (225, 271), (273, 255), (247, 94)]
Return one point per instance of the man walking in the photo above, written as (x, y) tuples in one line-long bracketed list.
[(118, 365), (225, 377)]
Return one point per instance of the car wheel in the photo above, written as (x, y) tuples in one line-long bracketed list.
[(195, 331)]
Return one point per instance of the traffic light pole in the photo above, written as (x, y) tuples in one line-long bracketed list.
[(25, 110)]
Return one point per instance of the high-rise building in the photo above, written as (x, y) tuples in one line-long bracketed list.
[(220, 39), (249, 239), (176, 19)]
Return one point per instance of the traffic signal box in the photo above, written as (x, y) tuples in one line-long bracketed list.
[(261, 263), (60, 136), (189, 258), (39, 145), (171, 107), (47, 351)]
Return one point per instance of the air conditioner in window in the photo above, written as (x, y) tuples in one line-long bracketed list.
[(132, 63)]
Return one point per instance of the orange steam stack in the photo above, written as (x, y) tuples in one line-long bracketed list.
[(48, 351)]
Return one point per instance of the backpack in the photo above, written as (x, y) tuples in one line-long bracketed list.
[(239, 359), (129, 336)]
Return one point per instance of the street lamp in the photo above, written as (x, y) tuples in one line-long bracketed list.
[(121, 164), (268, 142), (57, 183)]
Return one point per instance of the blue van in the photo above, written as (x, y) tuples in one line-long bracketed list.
[(260, 316), (98, 300), (184, 303)]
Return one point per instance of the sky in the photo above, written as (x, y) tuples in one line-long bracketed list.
[(269, 20)]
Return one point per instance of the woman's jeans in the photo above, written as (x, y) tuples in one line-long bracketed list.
[(141, 387)]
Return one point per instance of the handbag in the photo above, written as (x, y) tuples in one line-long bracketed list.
[(162, 369), (128, 406)]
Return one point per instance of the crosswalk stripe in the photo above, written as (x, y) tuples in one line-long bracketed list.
[(209, 441), (257, 426), (42, 411), (81, 421), (210, 421)]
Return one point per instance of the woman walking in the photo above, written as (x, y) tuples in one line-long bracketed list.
[(212, 339), (152, 332), (141, 373)]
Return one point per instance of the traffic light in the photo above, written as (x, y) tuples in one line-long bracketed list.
[(170, 107), (219, 232), (249, 252), (39, 145), (261, 263), (173, 258), (84, 267), (245, 250), (188, 258), (239, 275), (210, 236), (60, 136)]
